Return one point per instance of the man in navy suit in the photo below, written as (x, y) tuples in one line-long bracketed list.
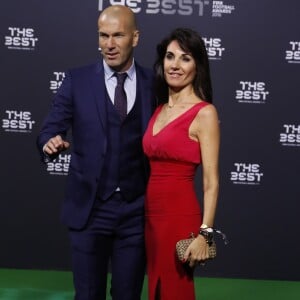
[(104, 202)]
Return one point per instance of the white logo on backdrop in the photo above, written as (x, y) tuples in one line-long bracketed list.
[(214, 48), (219, 9), (172, 7), (246, 173), (252, 92), (293, 54), (290, 136), (21, 38), (17, 121), (60, 165), (56, 82)]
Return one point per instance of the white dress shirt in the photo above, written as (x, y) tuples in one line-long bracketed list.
[(129, 84)]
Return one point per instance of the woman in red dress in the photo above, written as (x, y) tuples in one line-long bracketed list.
[(182, 134)]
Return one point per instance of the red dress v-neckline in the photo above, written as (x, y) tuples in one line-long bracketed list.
[(172, 121)]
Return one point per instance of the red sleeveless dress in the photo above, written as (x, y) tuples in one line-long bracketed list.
[(172, 210)]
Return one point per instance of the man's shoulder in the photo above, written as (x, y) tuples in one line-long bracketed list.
[(84, 69)]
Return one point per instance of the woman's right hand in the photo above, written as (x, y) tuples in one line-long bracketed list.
[(197, 252)]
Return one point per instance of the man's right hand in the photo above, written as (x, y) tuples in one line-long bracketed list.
[(55, 145)]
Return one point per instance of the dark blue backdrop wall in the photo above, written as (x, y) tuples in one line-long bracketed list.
[(254, 51)]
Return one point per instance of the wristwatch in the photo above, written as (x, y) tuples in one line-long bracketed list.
[(207, 233)]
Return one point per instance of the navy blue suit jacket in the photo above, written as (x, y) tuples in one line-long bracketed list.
[(79, 105)]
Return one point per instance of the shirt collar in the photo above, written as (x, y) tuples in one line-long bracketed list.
[(109, 72)]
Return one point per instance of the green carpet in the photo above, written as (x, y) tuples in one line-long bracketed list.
[(57, 285)]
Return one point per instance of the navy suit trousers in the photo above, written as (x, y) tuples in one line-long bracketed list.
[(113, 238)]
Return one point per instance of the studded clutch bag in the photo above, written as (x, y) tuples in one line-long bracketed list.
[(182, 245)]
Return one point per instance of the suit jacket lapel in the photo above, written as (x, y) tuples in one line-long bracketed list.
[(99, 89), (144, 88)]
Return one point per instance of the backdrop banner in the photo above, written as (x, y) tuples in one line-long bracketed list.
[(254, 52)]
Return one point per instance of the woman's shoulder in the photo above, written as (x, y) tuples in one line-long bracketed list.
[(207, 113), (206, 109)]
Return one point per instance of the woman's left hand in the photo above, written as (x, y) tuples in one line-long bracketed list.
[(197, 252)]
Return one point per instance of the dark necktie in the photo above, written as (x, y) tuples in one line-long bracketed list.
[(120, 100)]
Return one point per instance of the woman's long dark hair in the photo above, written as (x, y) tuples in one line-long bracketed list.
[(191, 42)]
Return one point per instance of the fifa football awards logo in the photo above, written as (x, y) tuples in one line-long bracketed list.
[(214, 48), (290, 135), (292, 55), (21, 38), (173, 7), (219, 8), (60, 165), (17, 121), (246, 173), (252, 92), (56, 81)]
